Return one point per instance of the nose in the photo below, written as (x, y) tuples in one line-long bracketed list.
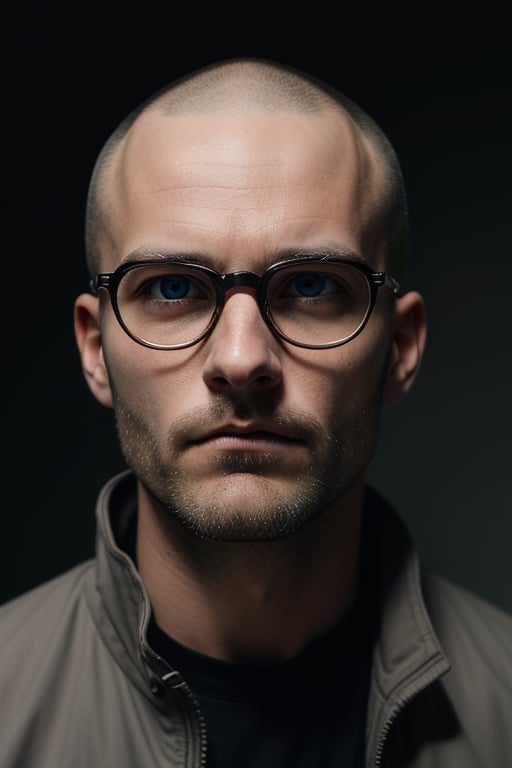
[(243, 354)]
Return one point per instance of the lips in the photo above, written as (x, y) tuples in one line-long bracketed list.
[(248, 440), (258, 435)]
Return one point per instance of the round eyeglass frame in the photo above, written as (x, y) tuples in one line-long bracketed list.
[(223, 283)]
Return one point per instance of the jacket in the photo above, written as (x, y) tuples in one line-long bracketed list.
[(81, 688)]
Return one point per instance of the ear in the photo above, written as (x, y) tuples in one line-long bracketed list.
[(89, 341), (408, 344)]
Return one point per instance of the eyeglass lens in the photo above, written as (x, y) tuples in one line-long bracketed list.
[(313, 304)]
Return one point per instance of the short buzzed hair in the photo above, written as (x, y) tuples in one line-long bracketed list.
[(269, 86)]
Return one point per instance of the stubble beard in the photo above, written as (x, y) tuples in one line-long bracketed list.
[(249, 502)]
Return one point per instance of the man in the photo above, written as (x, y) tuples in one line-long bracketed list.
[(252, 602)]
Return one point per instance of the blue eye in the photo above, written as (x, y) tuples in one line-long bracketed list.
[(171, 287), (309, 284), (167, 286)]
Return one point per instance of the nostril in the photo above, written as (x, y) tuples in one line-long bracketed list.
[(241, 377), (256, 367)]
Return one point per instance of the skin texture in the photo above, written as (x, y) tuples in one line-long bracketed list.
[(250, 453)]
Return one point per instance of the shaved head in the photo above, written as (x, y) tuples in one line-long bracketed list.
[(253, 86)]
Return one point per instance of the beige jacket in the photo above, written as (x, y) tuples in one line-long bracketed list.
[(81, 688)]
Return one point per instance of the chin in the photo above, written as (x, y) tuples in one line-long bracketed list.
[(246, 508)]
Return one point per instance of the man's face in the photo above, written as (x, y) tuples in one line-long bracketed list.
[(242, 436)]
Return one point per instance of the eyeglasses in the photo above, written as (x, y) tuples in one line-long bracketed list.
[(311, 301)]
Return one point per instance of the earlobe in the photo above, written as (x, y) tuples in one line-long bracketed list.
[(408, 344), (89, 341)]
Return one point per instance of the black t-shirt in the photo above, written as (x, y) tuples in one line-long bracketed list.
[(309, 712)]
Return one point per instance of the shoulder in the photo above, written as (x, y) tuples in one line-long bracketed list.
[(38, 617), (50, 591), (44, 636), (473, 625), (476, 637)]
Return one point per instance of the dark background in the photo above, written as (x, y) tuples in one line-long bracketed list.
[(444, 457)]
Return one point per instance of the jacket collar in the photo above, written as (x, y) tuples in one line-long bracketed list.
[(118, 598), (407, 655)]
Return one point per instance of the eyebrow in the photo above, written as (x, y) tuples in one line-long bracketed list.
[(163, 255), (141, 255)]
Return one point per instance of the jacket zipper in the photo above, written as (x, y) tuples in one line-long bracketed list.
[(171, 679), (175, 681), (399, 705), (387, 727)]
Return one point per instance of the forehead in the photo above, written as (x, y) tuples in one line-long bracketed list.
[(250, 183)]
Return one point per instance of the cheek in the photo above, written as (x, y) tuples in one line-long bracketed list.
[(341, 381), (155, 385)]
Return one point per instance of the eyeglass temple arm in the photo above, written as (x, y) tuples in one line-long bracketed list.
[(99, 281), (381, 278)]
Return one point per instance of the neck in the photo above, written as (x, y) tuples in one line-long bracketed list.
[(250, 602)]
